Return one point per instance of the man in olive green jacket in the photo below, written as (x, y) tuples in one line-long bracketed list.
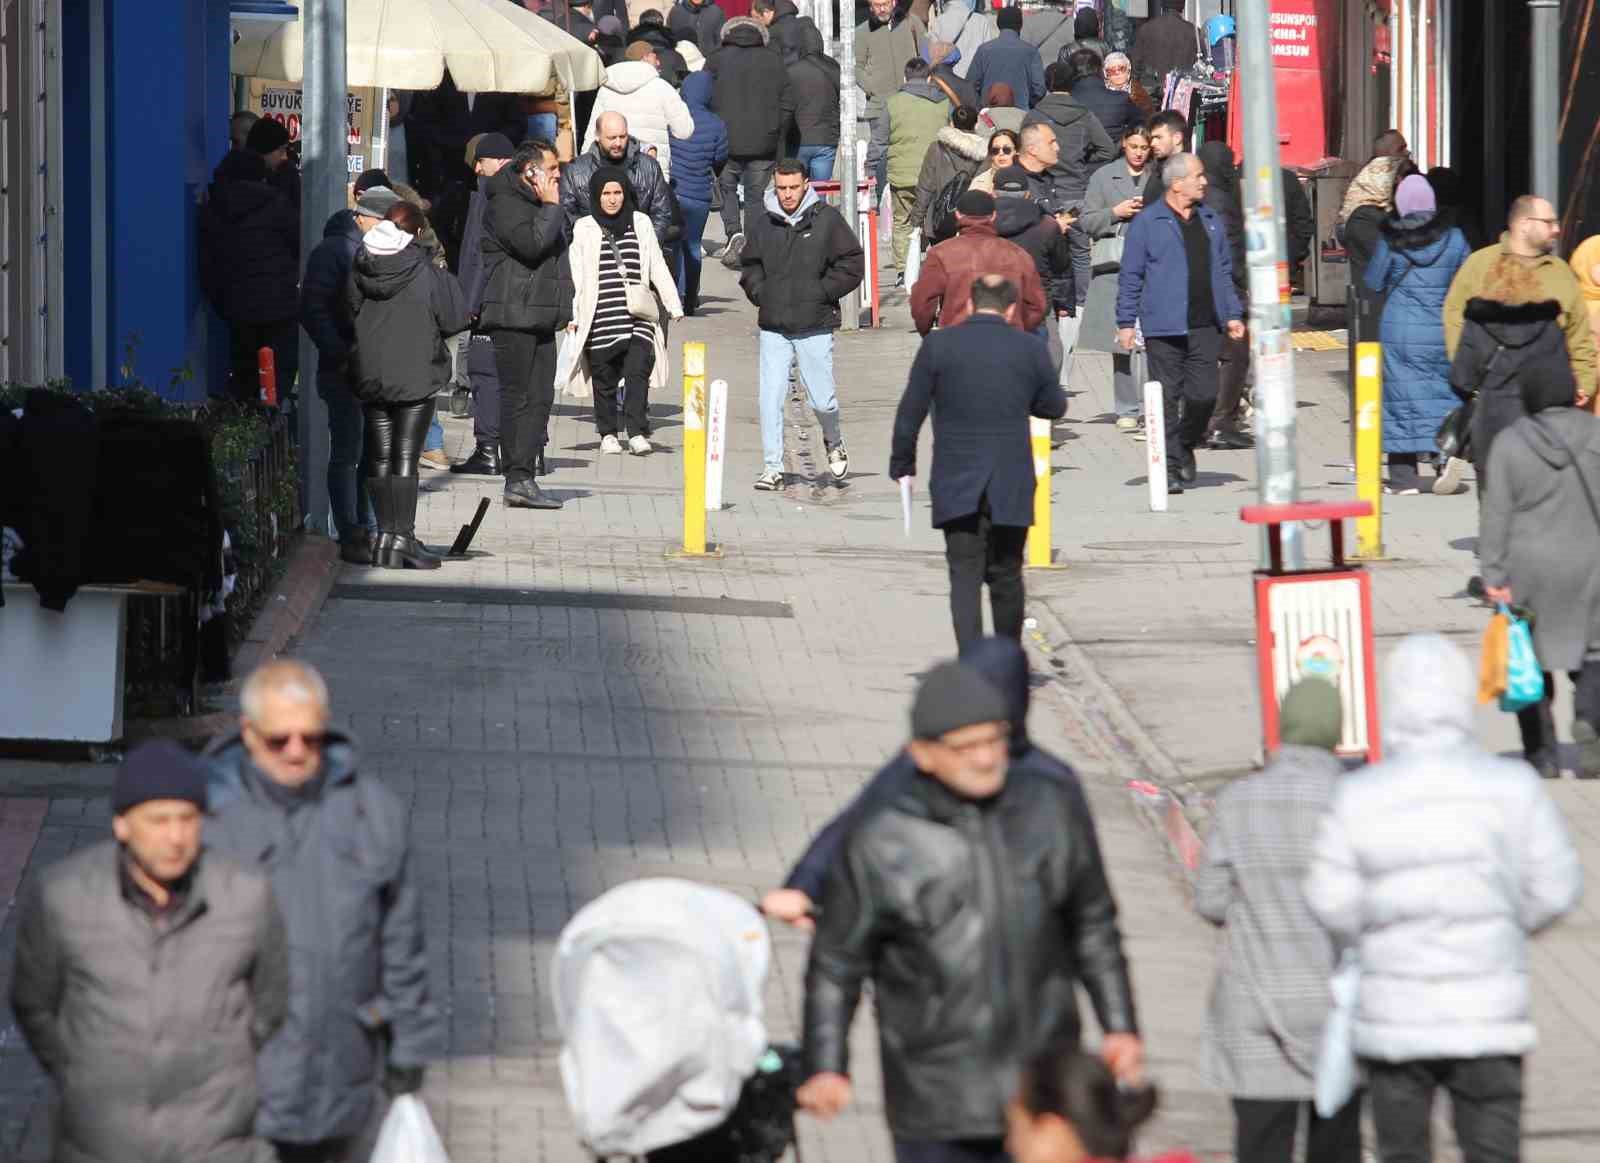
[(917, 112), (884, 43)]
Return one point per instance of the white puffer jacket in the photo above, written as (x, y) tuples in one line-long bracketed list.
[(653, 108), (1438, 863)]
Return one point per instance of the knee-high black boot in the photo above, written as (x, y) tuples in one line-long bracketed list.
[(402, 550), (383, 514)]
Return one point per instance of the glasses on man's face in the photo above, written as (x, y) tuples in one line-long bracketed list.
[(1550, 222), (312, 739)]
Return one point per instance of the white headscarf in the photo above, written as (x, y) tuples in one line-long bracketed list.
[(386, 238), (1117, 58)]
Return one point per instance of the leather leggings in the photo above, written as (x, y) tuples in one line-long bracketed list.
[(395, 436)]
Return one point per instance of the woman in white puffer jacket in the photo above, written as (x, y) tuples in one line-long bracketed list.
[(654, 110)]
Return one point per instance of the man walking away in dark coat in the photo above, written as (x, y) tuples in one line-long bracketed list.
[(333, 840), (653, 31), (701, 23), (1009, 60), (922, 900), (983, 380), (786, 28), (250, 270), (752, 95), (493, 153), (1166, 43), (149, 973), (326, 317), (802, 258), (814, 86)]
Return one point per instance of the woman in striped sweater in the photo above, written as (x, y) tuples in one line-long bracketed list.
[(613, 249)]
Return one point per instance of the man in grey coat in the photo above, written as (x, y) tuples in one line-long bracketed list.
[(1270, 998), (288, 798), (148, 974)]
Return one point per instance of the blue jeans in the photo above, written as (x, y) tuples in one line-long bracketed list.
[(818, 161), (815, 356), (435, 435), (347, 482), (691, 254)]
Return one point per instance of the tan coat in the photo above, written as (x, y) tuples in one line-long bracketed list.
[(584, 256)]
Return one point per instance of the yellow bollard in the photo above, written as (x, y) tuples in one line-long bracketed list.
[(1039, 554), (694, 455), (1369, 449)]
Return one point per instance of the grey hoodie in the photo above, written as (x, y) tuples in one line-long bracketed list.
[(1085, 146)]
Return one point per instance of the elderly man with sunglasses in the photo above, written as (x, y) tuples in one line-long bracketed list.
[(287, 798)]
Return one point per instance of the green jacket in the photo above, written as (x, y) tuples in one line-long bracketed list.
[(916, 115)]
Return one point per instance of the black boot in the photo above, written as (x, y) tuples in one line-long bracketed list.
[(357, 547), (383, 513), (484, 462), (528, 495), (401, 549)]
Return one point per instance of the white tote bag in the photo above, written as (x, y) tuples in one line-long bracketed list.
[(914, 258), (408, 1135), (566, 360), (1338, 1075)]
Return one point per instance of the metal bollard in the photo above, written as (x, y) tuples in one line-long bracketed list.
[(1369, 449), (694, 455), (267, 376), (1039, 553), (1155, 443)]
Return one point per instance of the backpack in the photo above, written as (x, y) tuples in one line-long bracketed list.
[(943, 206)]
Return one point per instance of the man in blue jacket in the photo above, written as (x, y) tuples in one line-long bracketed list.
[(1009, 60), (1177, 283)]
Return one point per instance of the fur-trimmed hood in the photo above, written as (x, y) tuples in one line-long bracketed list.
[(1414, 232), (1494, 311), (973, 146), (746, 22)]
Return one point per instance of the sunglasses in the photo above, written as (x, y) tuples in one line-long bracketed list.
[(312, 739), (996, 151)]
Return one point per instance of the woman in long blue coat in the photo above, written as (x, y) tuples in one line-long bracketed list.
[(1419, 252)]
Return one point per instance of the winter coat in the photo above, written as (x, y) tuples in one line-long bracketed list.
[(699, 23), (1437, 864), (795, 268), (527, 282), (1084, 144), (916, 115), (587, 242), (1416, 259), (882, 51), (249, 245), (650, 191), (403, 307), (655, 112), (1009, 60), (1496, 273), (814, 87), (1165, 42), (1269, 998), (943, 291), (953, 154), (1361, 233), (1540, 533), (1113, 108), (150, 1033), (1153, 285), (1108, 186), (674, 68), (966, 28), (935, 898), (701, 152), (1020, 220), (352, 909), (789, 31), (1502, 348), (1049, 30), (471, 270), (323, 311), (752, 91)]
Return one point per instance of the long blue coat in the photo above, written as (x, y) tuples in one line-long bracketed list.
[(1416, 259)]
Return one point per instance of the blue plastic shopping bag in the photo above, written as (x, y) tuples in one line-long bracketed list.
[(1524, 675)]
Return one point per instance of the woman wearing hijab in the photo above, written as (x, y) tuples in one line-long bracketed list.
[(1114, 196), (1000, 110), (1586, 265), (1118, 73), (1539, 537), (1419, 252), (403, 307), (624, 287)]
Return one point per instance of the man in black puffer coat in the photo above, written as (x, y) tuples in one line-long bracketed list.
[(613, 147), (527, 301), (250, 269), (697, 22), (786, 28), (751, 94)]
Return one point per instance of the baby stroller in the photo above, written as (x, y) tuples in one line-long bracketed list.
[(664, 1052)]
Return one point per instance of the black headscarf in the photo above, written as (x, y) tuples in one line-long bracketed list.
[(622, 221)]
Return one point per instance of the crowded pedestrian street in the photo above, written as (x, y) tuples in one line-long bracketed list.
[(573, 708)]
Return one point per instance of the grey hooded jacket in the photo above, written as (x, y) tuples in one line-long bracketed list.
[(338, 864), (150, 1030)]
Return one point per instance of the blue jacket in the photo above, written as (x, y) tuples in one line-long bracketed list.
[(1416, 259), (1153, 285), (323, 312), (694, 159), (1008, 60)]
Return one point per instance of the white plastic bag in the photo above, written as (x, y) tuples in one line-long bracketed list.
[(566, 361), (407, 1135), (914, 259), (1338, 1075)]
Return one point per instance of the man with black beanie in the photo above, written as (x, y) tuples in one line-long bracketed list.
[(972, 973), (147, 966)]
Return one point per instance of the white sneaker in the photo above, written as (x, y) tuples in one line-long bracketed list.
[(611, 445), (1127, 423), (1448, 482), (838, 461), (639, 446)]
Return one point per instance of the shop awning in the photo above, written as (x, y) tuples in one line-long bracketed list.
[(490, 46)]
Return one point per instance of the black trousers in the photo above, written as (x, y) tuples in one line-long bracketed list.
[(1538, 723), (1485, 1106), (1232, 371), (950, 1151), (633, 362), (1264, 1132), (527, 366), (395, 434), (978, 551), (244, 342), (485, 377), (1186, 365), (753, 174)]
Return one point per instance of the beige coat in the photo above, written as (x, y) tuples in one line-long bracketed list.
[(584, 256)]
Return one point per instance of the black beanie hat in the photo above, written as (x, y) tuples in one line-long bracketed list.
[(369, 178), (953, 696), (158, 770), (975, 204), (265, 136)]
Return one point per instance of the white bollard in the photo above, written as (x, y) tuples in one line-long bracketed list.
[(1155, 442), (716, 443)]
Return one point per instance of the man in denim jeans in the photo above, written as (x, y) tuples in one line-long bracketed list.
[(799, 260)]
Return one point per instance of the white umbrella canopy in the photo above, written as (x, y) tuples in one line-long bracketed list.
[(490, 46)]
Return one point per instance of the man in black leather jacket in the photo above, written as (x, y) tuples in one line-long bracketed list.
[(973, 895)]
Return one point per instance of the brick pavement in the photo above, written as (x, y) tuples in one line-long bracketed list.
[(571, 708)]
